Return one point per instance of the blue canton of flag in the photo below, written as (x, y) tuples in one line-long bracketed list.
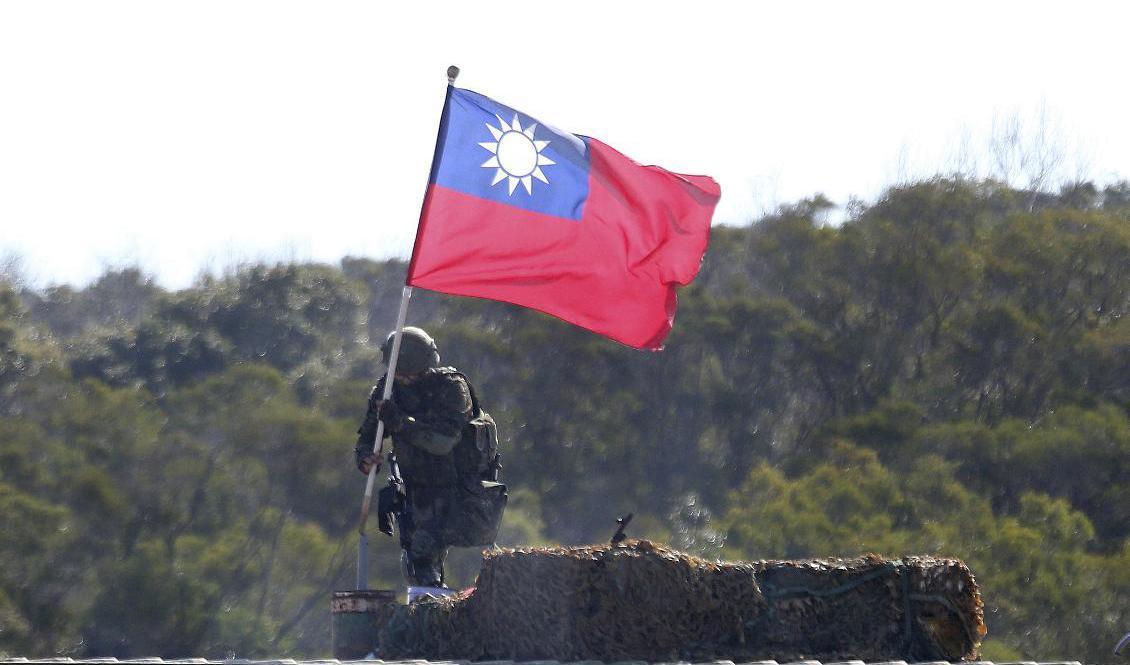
[(496, 153)]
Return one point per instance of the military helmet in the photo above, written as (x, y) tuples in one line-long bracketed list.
[(418, 351)]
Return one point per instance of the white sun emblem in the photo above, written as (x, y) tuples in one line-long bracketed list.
[(517, 155)]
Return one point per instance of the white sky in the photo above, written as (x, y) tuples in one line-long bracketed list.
[(184, 136)]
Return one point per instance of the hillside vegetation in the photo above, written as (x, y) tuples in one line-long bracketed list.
[(947, 372)]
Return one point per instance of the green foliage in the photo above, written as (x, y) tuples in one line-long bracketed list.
[(40, 566), (945, 372), (1076, 453)]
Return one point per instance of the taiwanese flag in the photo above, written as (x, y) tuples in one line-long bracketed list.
[(524, 213)]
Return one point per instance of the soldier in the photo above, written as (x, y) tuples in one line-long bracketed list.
[(445, 452)]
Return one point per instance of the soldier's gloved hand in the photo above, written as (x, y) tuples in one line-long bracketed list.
[(393, 417), (365, 462)]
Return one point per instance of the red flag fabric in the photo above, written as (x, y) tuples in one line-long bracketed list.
[(523, 213)]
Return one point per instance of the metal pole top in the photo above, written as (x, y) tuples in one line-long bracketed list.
[(452, 74)]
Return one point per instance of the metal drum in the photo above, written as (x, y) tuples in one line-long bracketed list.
[(357, 618)]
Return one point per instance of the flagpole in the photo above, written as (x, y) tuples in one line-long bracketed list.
[(378, 443), (378, 440)]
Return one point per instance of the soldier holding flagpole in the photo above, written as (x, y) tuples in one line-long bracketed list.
[(520, 212)]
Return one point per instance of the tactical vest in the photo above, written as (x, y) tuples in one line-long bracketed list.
[(423, 398)]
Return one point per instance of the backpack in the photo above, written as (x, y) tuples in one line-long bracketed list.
[(476, 455), (481, 499)]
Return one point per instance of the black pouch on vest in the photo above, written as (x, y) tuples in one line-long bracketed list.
[(390, 506)]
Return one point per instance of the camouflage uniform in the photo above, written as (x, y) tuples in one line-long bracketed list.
[(434, 405)]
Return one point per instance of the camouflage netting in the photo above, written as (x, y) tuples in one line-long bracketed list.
[(640, 601)]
